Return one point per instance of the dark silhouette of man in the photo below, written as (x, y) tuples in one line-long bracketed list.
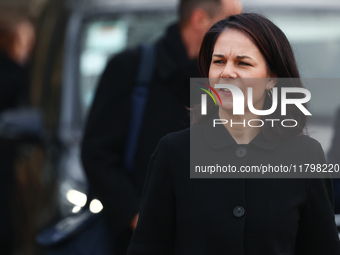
[(108, 121)]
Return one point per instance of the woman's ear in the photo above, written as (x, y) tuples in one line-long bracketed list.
[(272, 81)]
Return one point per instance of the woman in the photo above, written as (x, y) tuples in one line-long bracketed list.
[(180, 215)]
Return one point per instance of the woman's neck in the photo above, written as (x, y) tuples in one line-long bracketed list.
[(238, 127)]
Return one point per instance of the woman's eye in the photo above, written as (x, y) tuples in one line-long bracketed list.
[(218, 61), (244, 64)]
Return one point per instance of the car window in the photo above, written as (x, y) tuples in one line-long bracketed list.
[(104, 37)]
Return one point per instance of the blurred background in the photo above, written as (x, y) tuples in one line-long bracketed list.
[(73, 41)]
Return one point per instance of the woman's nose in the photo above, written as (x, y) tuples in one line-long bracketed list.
[(229, 71)]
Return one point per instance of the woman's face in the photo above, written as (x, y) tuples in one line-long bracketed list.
[(235, 57)]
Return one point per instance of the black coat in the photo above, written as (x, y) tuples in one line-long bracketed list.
[(334, 158), (14, 87), (108, 121), (180, 215), (13, 93)]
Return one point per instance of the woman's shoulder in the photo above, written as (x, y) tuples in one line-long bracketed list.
[(182, 137), (176, 139), (173, 150), (303, 141), (304, 147), (178, 143)]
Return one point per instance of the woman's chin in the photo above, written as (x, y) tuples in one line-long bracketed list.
[(226, 108)]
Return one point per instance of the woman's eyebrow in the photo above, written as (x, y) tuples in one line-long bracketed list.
[(218, 55), (243, 57), (238, 57)]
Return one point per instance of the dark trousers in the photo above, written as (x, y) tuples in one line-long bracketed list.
[(7, 188)]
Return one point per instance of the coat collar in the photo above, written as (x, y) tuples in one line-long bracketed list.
[(174, 69), (218, 137), (6, 62), (173, 56)]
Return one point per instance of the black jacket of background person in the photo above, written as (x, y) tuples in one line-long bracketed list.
[(13, 84), (13, 92), (107, 126), (180, 215)]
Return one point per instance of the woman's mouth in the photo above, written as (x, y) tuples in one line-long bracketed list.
[(225, 92)]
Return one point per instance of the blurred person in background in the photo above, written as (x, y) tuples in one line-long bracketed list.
[(16, 42), (107, 126)]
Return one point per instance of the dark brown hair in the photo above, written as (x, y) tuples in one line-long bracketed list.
[(279, 57), (186, 7)]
